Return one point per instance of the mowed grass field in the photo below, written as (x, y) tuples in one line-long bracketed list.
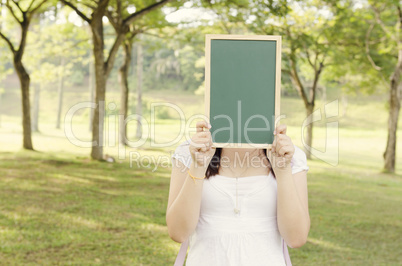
[(58, 207)]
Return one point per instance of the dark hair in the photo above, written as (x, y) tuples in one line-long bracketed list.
[(213, 167)]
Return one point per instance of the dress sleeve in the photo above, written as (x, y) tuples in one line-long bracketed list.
[(182, 153), (299, 161)]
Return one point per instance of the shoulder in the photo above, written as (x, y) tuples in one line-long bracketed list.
[(182, 153), (299, 161)]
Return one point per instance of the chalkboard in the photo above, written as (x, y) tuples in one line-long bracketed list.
[(242, 89)]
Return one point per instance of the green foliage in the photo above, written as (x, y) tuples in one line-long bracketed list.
[(163, 112), (58, 43), (366, 53)]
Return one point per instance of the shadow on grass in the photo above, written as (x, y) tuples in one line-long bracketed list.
[(82, 212)]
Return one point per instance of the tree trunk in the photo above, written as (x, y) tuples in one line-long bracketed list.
[(394, 107), (390, 151), (139, 89), (26, 111), (91, 90), (309, 128), (60, 92), (100, 81), (123, 79), (35, 107)]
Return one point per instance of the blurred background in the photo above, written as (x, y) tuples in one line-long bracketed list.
[(64, 201)]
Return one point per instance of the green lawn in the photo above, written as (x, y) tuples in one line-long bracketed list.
[(59, 207), (74, 211)]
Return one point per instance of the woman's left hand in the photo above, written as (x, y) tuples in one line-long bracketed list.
[(282, 150)]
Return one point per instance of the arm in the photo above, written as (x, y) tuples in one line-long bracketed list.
[(184, 201), (292, 207), (292, 195)]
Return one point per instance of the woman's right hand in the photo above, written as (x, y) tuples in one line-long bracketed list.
[(201, 148)]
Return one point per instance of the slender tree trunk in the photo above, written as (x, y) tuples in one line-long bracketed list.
[(394, 107), (91, 91), (123, 79), (35, 107), (60, 92), (100, 81), (26, 110), (308, 99), (309, 128), (140, 60), (390, 151)]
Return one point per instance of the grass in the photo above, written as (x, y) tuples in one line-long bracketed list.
[(75, 211), (59, 208)]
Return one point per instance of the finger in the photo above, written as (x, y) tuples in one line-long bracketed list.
[(269, 154), (288, 156), (203, 144), (280, 129), (285, 149), (201, 125), (273, 149), (201, 148), (282, 136), (204, 134), (198, 142), (282, 142)]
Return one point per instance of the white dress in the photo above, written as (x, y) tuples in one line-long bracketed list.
[(250, 237)]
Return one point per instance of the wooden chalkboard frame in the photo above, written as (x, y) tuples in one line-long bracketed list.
[(208, 39)]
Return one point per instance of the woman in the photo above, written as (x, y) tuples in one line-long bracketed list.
[(236, 206)]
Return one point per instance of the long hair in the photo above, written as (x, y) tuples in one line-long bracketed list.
[(214, 164)]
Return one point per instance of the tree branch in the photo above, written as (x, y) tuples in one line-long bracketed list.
[(308, 58), (16, 3), (111, 20), (119, 14), (368, 48), (315, 83), (400, 25), (8, 42), (30, 5), (89, 5), (36, 8), (79, 13), (12, 12), (297, 82), (381, 23), (144, 11), (112, 54)]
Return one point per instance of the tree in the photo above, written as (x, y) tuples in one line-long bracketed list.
[(386, 58), (98, 11), (306, 44), (140, 66), (154, 20), (23, 15)]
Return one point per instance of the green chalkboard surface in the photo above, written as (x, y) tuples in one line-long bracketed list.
[(242, 89)]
